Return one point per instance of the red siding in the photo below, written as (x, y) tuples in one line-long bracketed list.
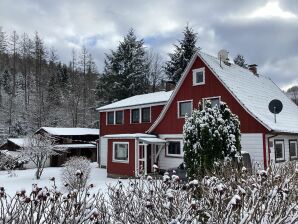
[(127, 127), (170, 124), (123, 169)]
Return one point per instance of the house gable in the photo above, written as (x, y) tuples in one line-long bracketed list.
[(169, 123)]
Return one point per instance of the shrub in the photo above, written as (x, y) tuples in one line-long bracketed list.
[(75, 173)]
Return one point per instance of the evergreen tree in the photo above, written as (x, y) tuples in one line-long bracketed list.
[(126, 70), (182, 54), (211, 134), (239, 60)]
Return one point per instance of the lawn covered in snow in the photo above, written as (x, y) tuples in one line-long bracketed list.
[(23, 179)]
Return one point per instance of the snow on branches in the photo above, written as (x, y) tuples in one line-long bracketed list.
[(210, 134)]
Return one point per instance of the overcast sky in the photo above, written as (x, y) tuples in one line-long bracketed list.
[(264, 31)]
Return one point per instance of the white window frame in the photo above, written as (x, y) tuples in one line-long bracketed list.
[(178, 107), (140, 115), (107, 119), (279, 141), (117, 160), (194, 76), (181, 148), (210, 98), (293, 141)]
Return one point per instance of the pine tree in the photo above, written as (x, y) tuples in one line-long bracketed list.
[(211, 134), (126, 70), (182, 54), (239, 60)]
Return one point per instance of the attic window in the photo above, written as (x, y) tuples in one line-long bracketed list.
[(198, 76)]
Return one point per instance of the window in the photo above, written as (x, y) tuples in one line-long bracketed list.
[(198, 76), (279, 150), (119, 117), (135, 116), (293, 149), (174, 148), (215, 101), (185, 107), (111, 117), (146, 114), (120, 152)]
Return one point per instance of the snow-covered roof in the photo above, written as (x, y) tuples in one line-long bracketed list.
[(144, 99), (153, 140), (136, 135), (255, 92), (77, 146), (70, 131), (18, 141)]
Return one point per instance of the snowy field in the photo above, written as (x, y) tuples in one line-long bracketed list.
[(23, 179)]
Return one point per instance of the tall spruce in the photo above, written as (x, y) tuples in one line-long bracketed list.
[(126, 70), (183, 52), (211, 134)]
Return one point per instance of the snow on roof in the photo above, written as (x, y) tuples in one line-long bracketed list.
[(77, 146), (255, 92), (18, 141), (136, 135), (153, 140), (70, 131), (150, 98)]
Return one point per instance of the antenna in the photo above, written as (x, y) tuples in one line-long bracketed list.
[(275, 106)]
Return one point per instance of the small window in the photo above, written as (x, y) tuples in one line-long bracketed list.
[(293, 149), (120, 152), (279, 150), (185, 108), (174, 148), (215, 101), (119, 117), (198, 76), (135, 116), (146, 114), (111, 117)]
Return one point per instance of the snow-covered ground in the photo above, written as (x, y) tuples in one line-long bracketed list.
[(23, 179)]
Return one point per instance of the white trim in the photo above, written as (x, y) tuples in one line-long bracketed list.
[(165, 136), (280, 141), (117, 160), (186, 71), (181, 148), (210, 98), (293, 141), (134, 106), (178, 107), (194, 77)]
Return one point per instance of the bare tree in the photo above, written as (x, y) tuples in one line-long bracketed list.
[(38, 149), (156, 73)]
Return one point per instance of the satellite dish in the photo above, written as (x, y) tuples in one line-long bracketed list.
[(275, 106)]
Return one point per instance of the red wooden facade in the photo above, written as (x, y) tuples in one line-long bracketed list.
[(171, 124)]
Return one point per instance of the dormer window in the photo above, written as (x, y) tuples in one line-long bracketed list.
[(198, 76)]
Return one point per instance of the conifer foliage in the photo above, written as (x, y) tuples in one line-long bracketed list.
[(211, 134), (182, 54), (126, 70)]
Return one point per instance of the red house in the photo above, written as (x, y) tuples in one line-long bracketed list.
[(142, 130)]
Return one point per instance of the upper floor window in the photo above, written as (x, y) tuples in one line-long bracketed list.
[(184, 107), (174, 148), (145, 114), (135, 115), (111, 117), (198, 76), (119, 117), (215, 101), (293, 149), (279, 149)]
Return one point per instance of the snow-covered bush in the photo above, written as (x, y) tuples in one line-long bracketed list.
[(211, 134), (76, 172), (228, 196), (10, 160)]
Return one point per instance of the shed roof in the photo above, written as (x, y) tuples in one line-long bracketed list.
[(59, 131)]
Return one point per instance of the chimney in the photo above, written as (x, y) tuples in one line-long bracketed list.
[(170, 85), (253, 69)]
